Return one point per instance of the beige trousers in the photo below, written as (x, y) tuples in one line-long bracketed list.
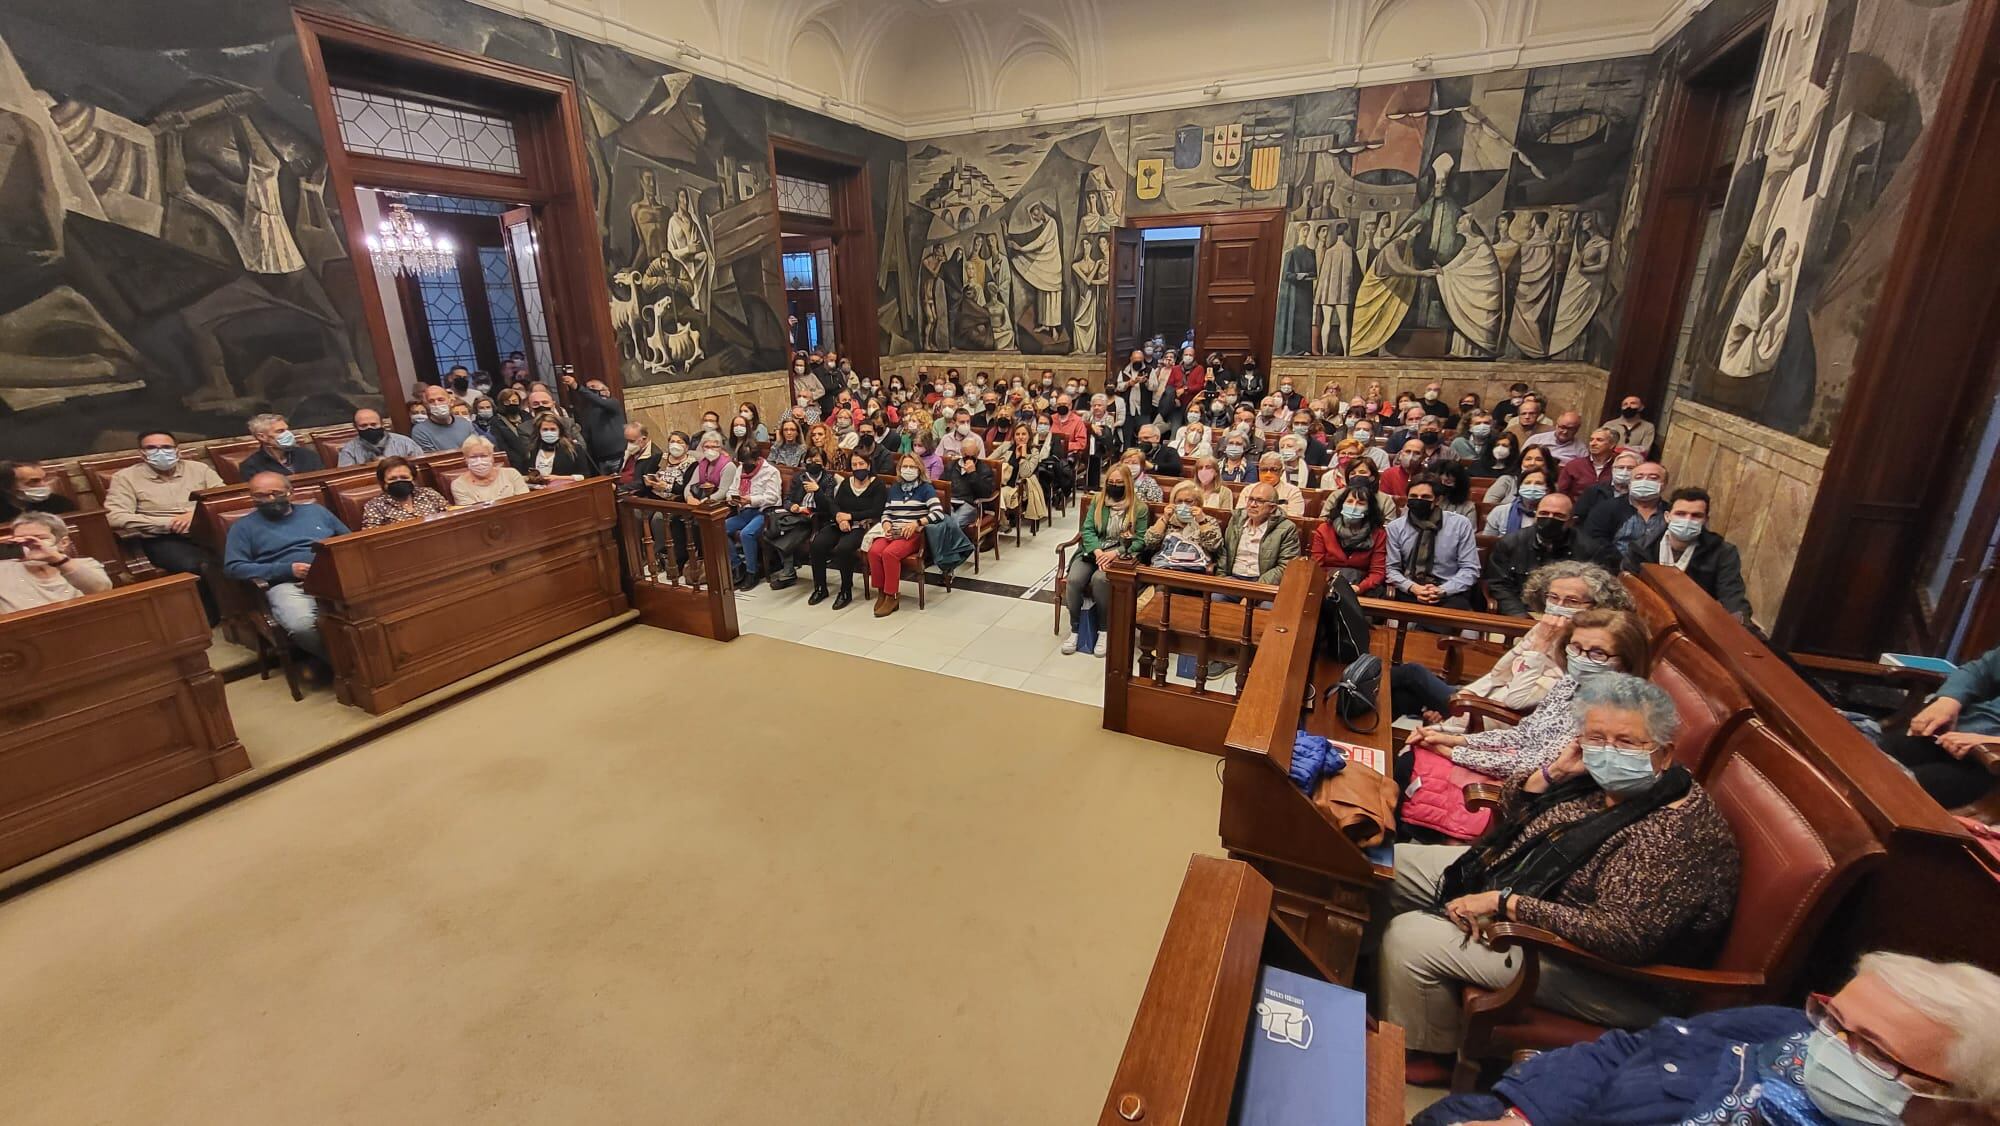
[(1425, 960)]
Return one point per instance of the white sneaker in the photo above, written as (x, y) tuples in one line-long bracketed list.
[(1103, 645), (1069, 645)]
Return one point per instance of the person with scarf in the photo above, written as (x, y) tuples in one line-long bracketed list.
[(1433, 554), (1352, 542), (1612, 846), (911, 506), (1113, 527), (1906, 1040), (808, 504), (751, 486), (1533, 485), (641, 458)]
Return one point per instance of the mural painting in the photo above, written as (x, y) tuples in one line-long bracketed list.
[(168, 256), (687, 210), (1837, 110), (1015, 235), (1460, 217)]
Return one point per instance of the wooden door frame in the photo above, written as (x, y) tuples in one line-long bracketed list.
[(1936, 321), (857, 323), (1668, 239), (555, 178), (1266, 336)]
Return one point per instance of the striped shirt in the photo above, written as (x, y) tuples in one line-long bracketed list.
[(912, 503)]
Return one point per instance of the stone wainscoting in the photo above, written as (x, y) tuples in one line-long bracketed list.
[(1763, 483), (1578, 387), (667, 407), (1569, 386)]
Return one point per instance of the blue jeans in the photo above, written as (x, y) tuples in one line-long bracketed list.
[(298, 615), (743, 528)]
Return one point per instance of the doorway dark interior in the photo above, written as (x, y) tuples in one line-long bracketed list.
[(826, 214), (1166, 299)]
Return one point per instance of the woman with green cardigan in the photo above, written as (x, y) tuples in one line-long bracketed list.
[(1113, 528)]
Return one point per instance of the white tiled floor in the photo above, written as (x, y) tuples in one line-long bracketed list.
[(984, 637)]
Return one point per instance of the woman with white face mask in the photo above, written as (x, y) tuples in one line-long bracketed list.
[(1643, 867)]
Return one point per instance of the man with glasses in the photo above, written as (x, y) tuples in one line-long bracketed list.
[(1907, 1040), (273, 548), (153, 503), (1562, 438), (1520, 552)]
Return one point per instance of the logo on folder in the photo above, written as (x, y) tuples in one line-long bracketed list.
[(1284, 1019)]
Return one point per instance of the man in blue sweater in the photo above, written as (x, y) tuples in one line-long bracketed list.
[(1907, 1040), (274, 547)]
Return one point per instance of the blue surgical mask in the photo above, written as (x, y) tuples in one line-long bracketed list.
[(1353, 513), (1532, 494), (1645, 488), (1847, 1089), (1684, 530), (1481, 429), (286, 439), (1617, 771), (163, 460), (1184, 512)]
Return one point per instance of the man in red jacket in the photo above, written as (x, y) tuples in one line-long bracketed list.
[(1594, 468), (1066, 424)]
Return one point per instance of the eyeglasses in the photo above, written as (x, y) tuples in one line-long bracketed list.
[(1819, 1010), (1593, 653), (1568, 602)]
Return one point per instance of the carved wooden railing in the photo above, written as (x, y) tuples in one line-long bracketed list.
[(1156, 616), (676, 559)]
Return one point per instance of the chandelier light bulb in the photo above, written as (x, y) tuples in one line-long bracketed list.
[(407, 248)]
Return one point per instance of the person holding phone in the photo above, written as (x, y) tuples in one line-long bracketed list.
[(37, 569)]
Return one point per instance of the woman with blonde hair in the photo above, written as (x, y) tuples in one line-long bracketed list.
[(1021, 495), (819, 436), (1207, 476), (1112, 529)]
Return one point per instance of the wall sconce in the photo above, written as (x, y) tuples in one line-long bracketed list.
[(1212, 90)]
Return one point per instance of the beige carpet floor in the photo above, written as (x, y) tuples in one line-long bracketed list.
[(658, 881)]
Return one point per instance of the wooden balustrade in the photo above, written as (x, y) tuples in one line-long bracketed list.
[(1157, 614), (677, 565)]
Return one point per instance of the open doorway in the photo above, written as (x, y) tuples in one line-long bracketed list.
[(467, 296), (488, 160), (1209, 272), (826, 216)]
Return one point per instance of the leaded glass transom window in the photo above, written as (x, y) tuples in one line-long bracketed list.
[(805, 197), (385, 125)]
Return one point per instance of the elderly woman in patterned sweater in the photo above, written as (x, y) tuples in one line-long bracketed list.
[(1613, 847)]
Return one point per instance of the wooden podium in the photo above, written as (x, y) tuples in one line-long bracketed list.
[(409, 608), (1180, 1062), (111, 709)]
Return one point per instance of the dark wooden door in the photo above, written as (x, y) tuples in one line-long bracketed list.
[(1168, 309), (1235, 300), (524, 242), (1128, 267)]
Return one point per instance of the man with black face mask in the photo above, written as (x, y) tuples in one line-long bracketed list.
[(275, 547), (878, 454), (1519, 552), (374, 441), (1630, 425)]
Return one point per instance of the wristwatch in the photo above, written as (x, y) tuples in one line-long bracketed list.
[(1500, 911)]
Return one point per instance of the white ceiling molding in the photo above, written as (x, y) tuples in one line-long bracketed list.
[(992, 35)]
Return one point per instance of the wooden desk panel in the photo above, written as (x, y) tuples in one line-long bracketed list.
[(411, 607), (111, 710)]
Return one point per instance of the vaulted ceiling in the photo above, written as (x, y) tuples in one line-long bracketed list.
[(917, 68)]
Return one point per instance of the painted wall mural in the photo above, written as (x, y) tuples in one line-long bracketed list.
[(168, 253), (1835, 118), (1461, 217)]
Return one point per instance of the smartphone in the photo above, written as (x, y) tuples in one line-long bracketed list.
[(12, 551)]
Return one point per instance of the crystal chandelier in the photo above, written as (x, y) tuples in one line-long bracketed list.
[(404, 246)]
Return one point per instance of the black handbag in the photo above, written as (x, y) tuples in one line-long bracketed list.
[(1354, 697)]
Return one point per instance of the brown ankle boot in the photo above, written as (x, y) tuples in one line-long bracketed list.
[(885, 605)]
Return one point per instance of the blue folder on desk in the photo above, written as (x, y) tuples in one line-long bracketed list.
[(1305, 1056)]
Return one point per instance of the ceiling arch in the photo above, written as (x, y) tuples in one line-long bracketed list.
[(919, 68)]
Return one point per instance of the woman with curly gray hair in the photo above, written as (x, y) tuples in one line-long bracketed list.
[(1555, 593)]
